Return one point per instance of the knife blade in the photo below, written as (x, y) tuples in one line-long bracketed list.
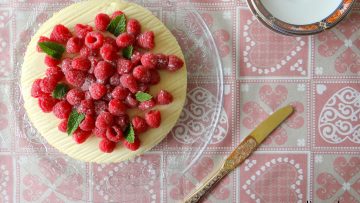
[(243, 150)]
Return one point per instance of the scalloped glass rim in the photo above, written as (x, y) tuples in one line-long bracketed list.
[(196, 152)]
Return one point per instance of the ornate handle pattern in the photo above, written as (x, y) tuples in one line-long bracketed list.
[(196, 196), (241, 152)]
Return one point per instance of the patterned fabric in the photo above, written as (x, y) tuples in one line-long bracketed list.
[(314, 155)]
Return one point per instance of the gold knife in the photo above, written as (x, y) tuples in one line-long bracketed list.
[(241, 152)]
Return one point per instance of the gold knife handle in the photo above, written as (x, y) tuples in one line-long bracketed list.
[(209, 183), (245, 148)]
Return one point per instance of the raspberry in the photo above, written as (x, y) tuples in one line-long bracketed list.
[(54, 72), (117, 107), (123, 122), (108, 95), (94, 40), (88, 124), (103, 70), (82, 30), (48, 84), (100, 133), (129, 82), (97, 90), (175, 63), (153, 118), (164, 97), (132, 146), (149, 60), (100, 106), (142, 74), (81, 63), (50, 61), (62, 109), (115, 134), (104, 120), (63, 126), (74, 45), (155, 77), (139, 124), (115, 80), (144, 87), (90, 79), (60, 34), (146, 40), (125, 40), (75, 77), (124, 66), (36, 91), (131, 101), (75, 96), (102, 20), (133, 27), (107, 146), (47, 103), (87, 52), (136, 58), (110, 40), (108, 52), (81, 136), (66, 65), (94, 61), (86, 106), (42, 39), (147, 105), (162, 61), (116, 14), (120, 93)]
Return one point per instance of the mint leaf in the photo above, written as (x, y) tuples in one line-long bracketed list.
[(52, 49), (117, 25), (74, 121), (130, 134), (142, 96), (60, 91), (128, 52)]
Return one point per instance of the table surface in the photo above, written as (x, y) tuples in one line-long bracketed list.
[(314, 156)]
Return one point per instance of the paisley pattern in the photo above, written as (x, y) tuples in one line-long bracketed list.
[(340, 117)]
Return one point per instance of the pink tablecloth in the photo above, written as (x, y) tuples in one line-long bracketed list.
[(314, 156)]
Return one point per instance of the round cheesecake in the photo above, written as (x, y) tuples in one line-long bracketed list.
[(174, 82)]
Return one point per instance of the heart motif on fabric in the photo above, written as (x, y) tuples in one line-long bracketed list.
[(273, 97), (340, 118), (52, 169), (257, 41), (285, 173), (201, 107), (329, 186), (347, 169)]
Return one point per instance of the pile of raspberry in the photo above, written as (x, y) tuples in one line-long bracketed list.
[(102, 82)]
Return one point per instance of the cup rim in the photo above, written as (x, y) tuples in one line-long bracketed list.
[(279, 26)]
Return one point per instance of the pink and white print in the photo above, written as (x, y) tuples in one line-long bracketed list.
[(195, 122), (6, 116), (259, 101), (179, 185), (341, 179), (51, 180), (5, 54), (265, 53), (6, 179), (338, 50), (337, 114), (136, 180), (274, 178)]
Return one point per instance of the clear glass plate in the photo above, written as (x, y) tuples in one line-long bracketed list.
[(185, 143)]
